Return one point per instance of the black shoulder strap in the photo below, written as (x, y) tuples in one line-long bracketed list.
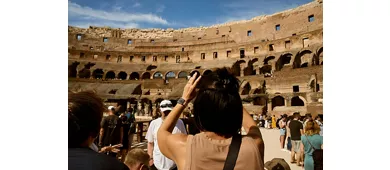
[(234, 149)]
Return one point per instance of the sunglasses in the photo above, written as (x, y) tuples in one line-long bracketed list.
[(166, 105)]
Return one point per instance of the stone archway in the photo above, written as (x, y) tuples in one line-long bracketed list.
[(170, 75), (84, 73), (145, 75), (110, 75), (122, 75), (245, 89), (72, 69), (157, 75), (303, 59), (98, 73), (182, 74), (284, 59), (319, 57), (297, 101), (135, 76), (277, 101), (237, 66)]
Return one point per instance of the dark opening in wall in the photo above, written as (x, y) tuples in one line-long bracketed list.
[(215, 55), (202, 56), (287, 44), (295, 88), (119, 59), (255, 49), (113, 91), (91, 48), (294, 34), (131, 58), (152, 41), (249, 33), (217, 32), (143, 58), (199, 38), (271, 47), (263, 40), (129, 41), (228, 53), (82, 55), (108, 57), (305, 42), (78, 36), (242, 53), (174, 40), (122, 75), (135, 76), (182, 49), (166, 58), (277, 27), (311, 18), (105, 39), (97, 74), (296, 101), (223, 35), (178, 59), (154, 58)]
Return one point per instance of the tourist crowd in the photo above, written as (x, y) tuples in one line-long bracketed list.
[(102, 143)]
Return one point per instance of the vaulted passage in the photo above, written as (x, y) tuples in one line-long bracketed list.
[(145, 75), (122, 75), (98, 74), (170, 75), (85, 73), (110, 75), (135, 76), (246, 89), (157, 75), (303, 59), (183, 74), (277, 101), (283, 60), (296, 101), (72, 69)]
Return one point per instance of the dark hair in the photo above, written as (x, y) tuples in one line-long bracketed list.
[(218, 106), (297, 115), (85, 112)]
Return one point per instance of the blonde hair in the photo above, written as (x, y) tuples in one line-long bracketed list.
[(137, 155), (311, 128)]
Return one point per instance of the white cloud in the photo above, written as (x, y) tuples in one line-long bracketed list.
[(160, 8), (136, 5), (77, 11), (100, 24)]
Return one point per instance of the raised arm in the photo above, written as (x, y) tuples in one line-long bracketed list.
[(253, 131), (171, 144)]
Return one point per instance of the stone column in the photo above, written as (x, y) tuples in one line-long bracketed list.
[(287, 101), (241, 72), (104, 75), (257, 71), (128, 77)]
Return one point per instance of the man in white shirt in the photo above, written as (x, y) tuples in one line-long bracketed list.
[(159, 161)]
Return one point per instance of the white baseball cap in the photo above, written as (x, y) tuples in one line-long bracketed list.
[(111, 107), (166, 105)]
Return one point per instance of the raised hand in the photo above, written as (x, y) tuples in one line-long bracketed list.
[(189, 91)]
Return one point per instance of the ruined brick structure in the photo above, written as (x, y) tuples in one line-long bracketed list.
[(278, 59)]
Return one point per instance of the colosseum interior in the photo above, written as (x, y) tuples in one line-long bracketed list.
[(278, 59)]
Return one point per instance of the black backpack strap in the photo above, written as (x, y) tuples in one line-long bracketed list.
[(232, 155)]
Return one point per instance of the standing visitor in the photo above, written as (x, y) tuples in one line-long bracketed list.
[(128, 124), (289, 132), (311, 140), (219, 114), (158, 160), (273, 122), (85, 112), (296, 129), (282, 126), (111, 131), (320, 123)]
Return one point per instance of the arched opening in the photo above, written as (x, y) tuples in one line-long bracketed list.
[(266, 69), (72, 69), (135, 76), (236, 68), (98, 73), (122, 75), (157, 75), (319, 56), (110, 75), (277, 101), (250, 69), (258, 91), (283, 60), (182, 74), (206, 72), (303, 59), (260, 101), (246, 89), (85, 73), (145, 75), (296, 101), (268, 60), (170, 75)]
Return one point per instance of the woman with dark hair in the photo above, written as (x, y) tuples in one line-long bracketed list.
[(85, 112), (311, 140), (219, 114)]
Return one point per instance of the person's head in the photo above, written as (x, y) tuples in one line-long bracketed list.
[(308, 116), (130, 109), (85, 112), (311, 128), (137, 159), (218, 106), (318, 118), (296, 115), (111, 109), (284, 117), (166, 107)]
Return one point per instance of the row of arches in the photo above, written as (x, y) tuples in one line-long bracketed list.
[(280, 101), (99, 74), (304, 58)]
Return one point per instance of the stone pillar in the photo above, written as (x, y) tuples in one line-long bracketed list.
[(287, 101), (257, 71), (104, 75), (242, 73), (128, 77), (154, 110)]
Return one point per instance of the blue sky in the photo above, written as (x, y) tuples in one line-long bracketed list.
[(170, 13)]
